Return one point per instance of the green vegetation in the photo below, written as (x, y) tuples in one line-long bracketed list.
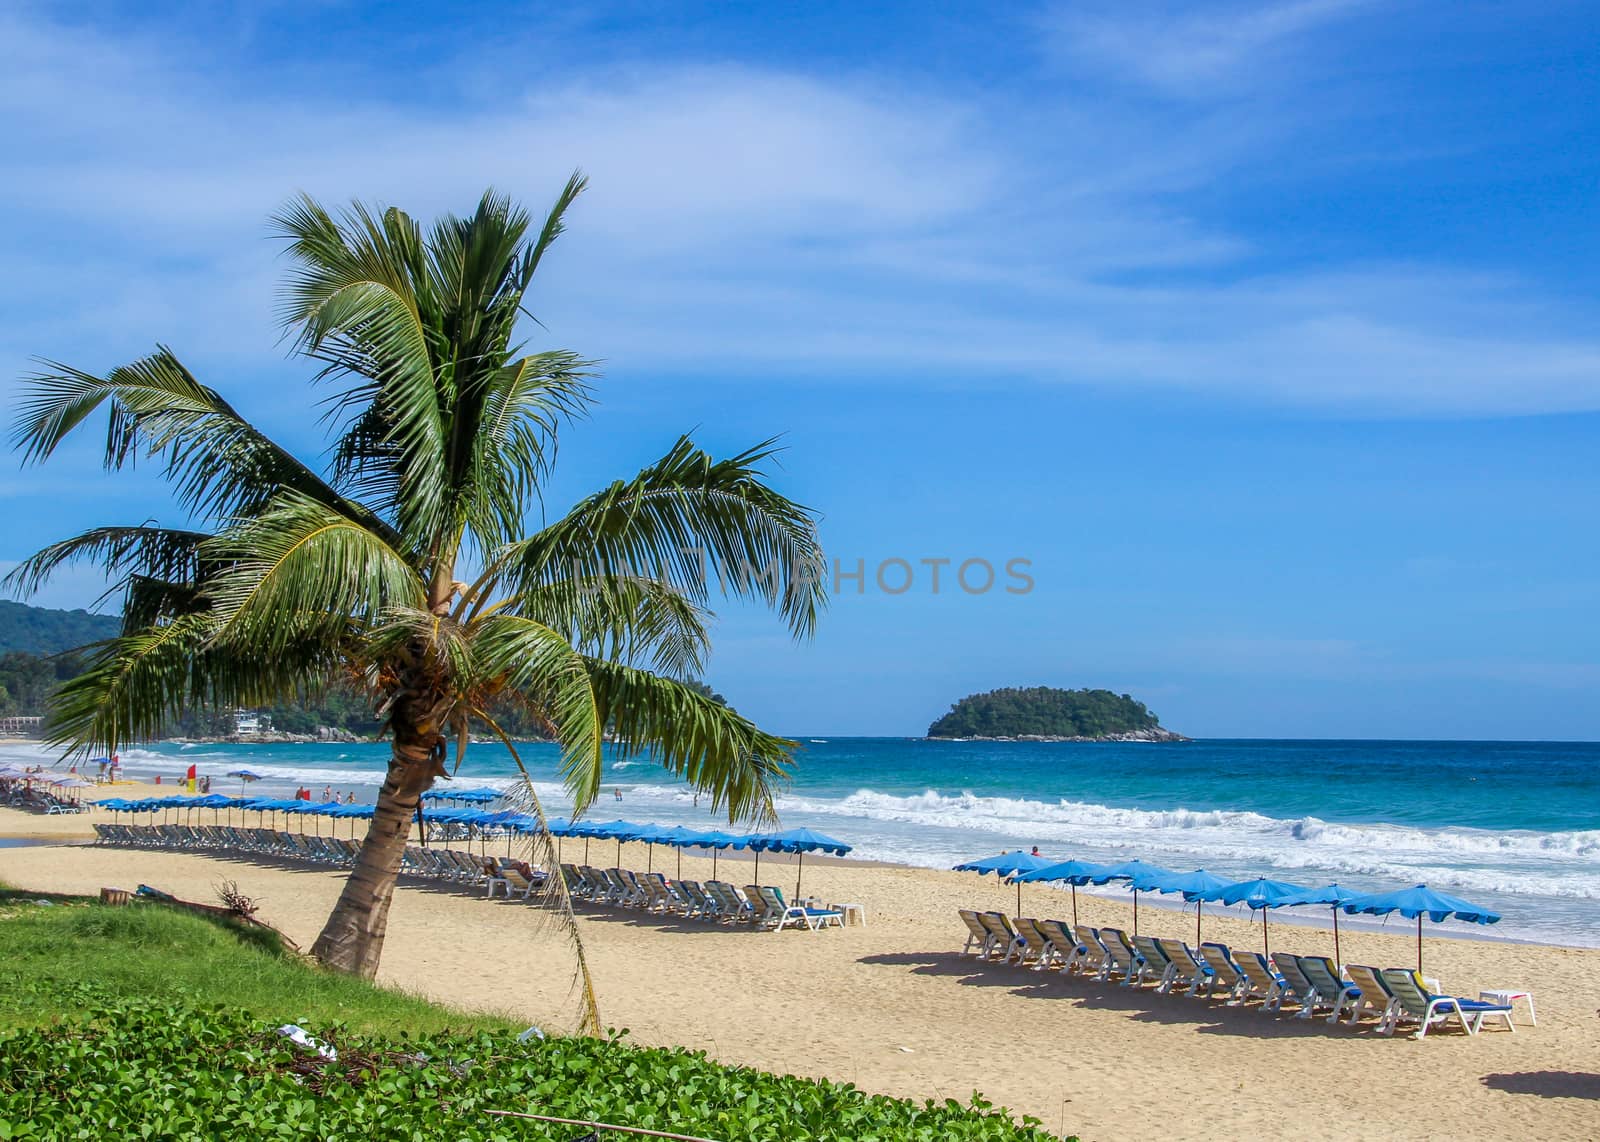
[(142, 1022), (42, 631), (1043, 711)]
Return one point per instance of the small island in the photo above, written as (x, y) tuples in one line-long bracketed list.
[(1047, 714)]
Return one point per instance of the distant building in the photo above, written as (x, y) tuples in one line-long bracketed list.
[(249, 722), (21, 726)]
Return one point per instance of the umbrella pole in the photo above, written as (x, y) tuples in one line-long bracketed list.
[(1338, 961), (757, 876), (1135, 911), (800, 864), (585, 850), (680, 862), (1019, 898), (650, 858), (1197, 923), (1419, 942), (1074, 905), (713, 864), (1266, 940)]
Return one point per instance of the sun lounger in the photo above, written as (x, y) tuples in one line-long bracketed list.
[(1331, 991), (977, 935), (778, 913), (1415, 1002), (1260, 981), (1005, 940), (1375, 994), (731, 907), (1124, 959), (1153, 963), (1035, 949), (1296, 986), (1096, 958), (1068, 952), (1186, 968), (701, 906)]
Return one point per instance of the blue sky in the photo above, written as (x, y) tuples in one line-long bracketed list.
[(1265, 331)]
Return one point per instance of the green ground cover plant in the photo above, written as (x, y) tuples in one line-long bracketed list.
[(144, 1022)]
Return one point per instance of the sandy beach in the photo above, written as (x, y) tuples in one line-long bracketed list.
[(893, 1007)]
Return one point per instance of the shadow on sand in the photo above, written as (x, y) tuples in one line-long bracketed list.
[(1547, 1084)]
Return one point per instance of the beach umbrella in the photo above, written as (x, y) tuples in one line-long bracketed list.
[(244, 776), (681, 837), (716, 841), (1262, 894), (1418, 902), (1006, 865), (1196, 887), (1332, 895), (1071, 872), (1129, 870), (618, 831), (799, 842)]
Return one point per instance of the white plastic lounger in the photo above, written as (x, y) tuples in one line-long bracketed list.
[(1097, 959), (1004, 936), (1375, 994), (1035, 949), (1186, 969), (1331, 991), (1120, 955), (1153, 963), (1069, 953), (977, 935), (1260, 981), (1418, 1003)]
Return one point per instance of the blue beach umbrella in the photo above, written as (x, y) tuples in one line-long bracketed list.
[(1196, 887), (1006, 866), (799, 842), (1261, 894), (1075, 873), (681, 837), (1130, 870), (244, 775), (1332, 895), (1419, 902), (716, 840), (618, 831)]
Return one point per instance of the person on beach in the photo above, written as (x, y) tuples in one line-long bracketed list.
[(327, 793), (1035, 851)]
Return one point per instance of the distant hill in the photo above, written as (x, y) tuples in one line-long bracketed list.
[(39, 630), (1043, 713)]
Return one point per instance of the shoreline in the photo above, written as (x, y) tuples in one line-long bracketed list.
[(76, 830)]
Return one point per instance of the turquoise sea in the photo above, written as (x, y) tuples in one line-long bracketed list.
[(1515, 826)]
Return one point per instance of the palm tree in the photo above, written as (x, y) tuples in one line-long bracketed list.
[(405, 566)]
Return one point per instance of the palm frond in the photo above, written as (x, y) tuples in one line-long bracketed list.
[(709, 745), (218, 463), (519, 656), (643, 622), (156, 552), (687, 519), (299, 568)]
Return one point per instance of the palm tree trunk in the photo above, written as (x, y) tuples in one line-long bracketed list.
[(352, 939)]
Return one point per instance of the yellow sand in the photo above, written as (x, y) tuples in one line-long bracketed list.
[(893, 1007)]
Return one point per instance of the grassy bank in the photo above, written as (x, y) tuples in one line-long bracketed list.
[(145, 1022), (151, 952)]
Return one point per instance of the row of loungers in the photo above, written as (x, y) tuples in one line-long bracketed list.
[(760, 905), (434, 863), (1312, 985)]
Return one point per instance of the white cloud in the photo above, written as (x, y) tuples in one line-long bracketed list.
[(1189, 51), (811, 225)]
